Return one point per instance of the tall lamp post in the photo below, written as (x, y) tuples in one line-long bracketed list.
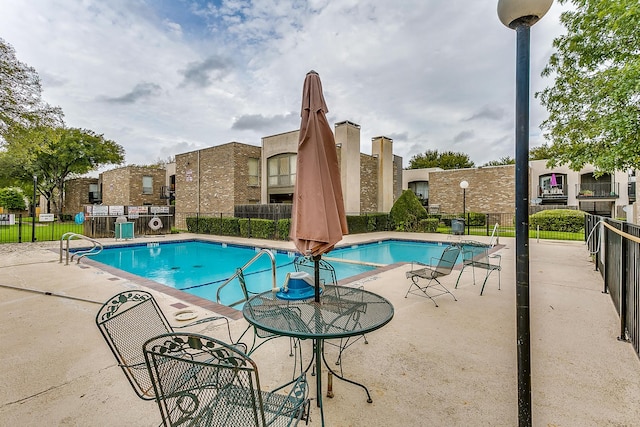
[(464, 185), (33, 209), (520, 15)]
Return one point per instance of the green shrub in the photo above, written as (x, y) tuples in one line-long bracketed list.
[(568, 220), (428, 225), (245, 227), (407, 211), (476, 219), (378, 222), (283, 229), (357, 224), (261, 228)]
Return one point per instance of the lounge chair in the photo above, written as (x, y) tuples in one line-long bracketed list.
[(439, 267)]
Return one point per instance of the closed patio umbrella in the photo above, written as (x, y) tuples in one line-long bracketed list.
[(318, 219)]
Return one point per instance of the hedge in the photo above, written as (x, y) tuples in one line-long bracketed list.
[(568, 220), (257, 228), (428, 225)]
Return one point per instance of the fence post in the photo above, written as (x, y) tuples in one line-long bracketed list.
[(19, 228), (486, 220), (624, 279), (603, 247)]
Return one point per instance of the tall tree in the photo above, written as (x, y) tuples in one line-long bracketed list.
[(506, 160), (55, 154), (444, 160), (21, 101), (541, 152), (594, 104)]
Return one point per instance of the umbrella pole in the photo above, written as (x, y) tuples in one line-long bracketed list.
[(316, 272)]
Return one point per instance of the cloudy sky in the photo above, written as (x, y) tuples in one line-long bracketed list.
[(163, 77)]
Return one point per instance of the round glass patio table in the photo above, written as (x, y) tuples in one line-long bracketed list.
[(341, 313)]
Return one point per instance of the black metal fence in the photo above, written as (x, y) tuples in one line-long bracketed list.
[(472, 224), (616, 248), (19, 228)]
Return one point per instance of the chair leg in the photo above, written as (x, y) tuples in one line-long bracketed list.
[(487, 277), (461, 270), (442, 290)]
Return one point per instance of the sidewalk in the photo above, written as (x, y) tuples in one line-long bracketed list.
[(454, 365)]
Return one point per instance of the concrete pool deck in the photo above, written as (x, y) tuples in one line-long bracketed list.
[(454, 365)]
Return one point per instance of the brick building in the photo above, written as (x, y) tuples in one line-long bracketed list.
[(134, 186), (215, 179), (79, 192), (370, 183)]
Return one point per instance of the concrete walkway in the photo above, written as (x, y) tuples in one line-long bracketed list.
[(454, 365)]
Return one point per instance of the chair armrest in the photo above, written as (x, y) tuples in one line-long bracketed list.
[(419, 264), (498, 256), (296, 400)]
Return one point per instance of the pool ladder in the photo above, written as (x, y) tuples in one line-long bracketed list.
[(95, 249), (274, 286)]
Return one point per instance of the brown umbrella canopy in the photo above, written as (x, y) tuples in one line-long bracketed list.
[(318, 219)]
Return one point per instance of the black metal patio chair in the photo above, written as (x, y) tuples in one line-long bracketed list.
[(439, 267), (476, 255), (259, 336), (201, 381), (127, 320), (327, 277)]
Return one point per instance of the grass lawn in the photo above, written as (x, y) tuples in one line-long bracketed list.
[(511, 232), (44, 231)]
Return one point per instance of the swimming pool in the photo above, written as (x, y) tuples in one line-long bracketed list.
[(200, 267)]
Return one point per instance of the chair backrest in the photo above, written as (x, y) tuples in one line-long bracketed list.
[(201, 381), (476, 253), (448, 260), (127, 320), (326, 270)]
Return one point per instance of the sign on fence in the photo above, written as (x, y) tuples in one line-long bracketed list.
[(7, 219), (46, 217)]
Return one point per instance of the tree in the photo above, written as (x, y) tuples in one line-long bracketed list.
[(444, 160), (407, 211), (21, 101), (54, 154), (507, 160), (542, 152), (594, 104), (12, 199)]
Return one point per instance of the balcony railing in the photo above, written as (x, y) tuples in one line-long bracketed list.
[(598, 190), (553, 195)]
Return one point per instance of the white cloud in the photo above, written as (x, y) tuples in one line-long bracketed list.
[(430, 74)]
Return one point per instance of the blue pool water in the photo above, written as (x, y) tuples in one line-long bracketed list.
[(199, 267), (391, 251)]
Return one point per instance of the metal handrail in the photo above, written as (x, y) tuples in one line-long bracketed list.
[(82, 253), (274, 286), (495, 233)]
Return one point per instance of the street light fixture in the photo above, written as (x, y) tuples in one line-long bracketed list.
[(464, 185), (520, 15)]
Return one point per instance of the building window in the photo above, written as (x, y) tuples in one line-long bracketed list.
[(421, 189), (282, 170), (552, 183), (147, 185), (254, 172)]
